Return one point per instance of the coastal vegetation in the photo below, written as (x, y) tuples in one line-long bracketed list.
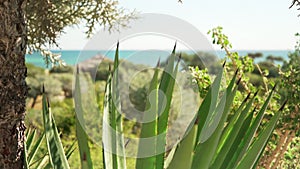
[(256, 77), (247, 111)]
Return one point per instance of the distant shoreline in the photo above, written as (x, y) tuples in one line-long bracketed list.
[(72, 57)]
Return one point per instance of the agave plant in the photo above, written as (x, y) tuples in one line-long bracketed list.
[(212, 140), (55, 157)]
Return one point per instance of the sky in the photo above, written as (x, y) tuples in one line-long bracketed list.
[(249, 24)]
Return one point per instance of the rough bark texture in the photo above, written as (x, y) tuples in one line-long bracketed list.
[(13, 88)]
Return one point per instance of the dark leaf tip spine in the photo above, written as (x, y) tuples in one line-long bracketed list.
[(43, 88), (255, 94), (158, 63), (224, 64), (282, 107), (179, 57), (48, 102), (239, 81), (274, 87), (237, 70), (248, 96), (174, 49), (109, 67)]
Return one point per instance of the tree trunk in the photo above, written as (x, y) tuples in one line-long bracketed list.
[(13, 88)]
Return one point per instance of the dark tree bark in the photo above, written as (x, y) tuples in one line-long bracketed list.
[(13, 88)]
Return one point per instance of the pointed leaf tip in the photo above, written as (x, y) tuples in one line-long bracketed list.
[(282, 107), (237, 70), (118, 43), (43, 88), (248, 96), (274, 87), (158, 63), (174, 49), (180, 56), (224, 64), (109, 68), (255, 94), (239, 81), (48, 102)]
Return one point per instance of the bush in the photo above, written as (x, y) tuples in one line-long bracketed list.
[(33, 71), (103, 70), (270, 67), (62, 69)]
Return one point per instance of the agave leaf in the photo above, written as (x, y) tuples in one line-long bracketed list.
[(208, 104), (82, 138), (166, 86), (103, 157), (30, 138), (214, 117), (55, 148), (109, 141), (233, 154), (27, 132), (116, 106), (254, 126), (251, 156), (35, 148), (149, 128), (220, 157), (183, 156), (170, 156), (44, 163), (70, 150), (231, 123), (209, 146)]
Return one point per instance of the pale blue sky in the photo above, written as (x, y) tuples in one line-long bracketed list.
[(250, 24)]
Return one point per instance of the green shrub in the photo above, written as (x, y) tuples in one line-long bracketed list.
[(103, 70), (33, 71), (62, 69)]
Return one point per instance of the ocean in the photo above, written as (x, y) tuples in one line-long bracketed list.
[(150, 57)]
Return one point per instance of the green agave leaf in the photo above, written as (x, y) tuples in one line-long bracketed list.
[(170, 156), (149, 129), (35, 148), (247, 140), (233, 154), (30, 138), (214, 117), (110, 159), (208, 104), (116, 106), (183, 156), (166, 86), (55, 148), (209, 146), (82, 138), (44, 163), (103, 157), (70, 150), (231, 123), (251, 156), (27, 132), (114, 118), (228, 144)]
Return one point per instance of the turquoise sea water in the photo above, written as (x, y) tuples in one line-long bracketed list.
[(72, 57)]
